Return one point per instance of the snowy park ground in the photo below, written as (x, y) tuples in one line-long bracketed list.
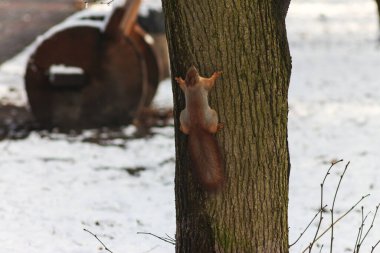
[(54, 185)]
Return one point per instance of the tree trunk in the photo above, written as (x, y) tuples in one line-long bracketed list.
[(247, 40), (378, 11)]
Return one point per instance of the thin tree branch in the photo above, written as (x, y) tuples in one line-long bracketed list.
[(105, 247), (321, 205), (86, 2), (333, 205), (359, 240), (168, 240), (358, 237), (171, 238), (371, 226), (335, 222), (303, 232), (374, 246)]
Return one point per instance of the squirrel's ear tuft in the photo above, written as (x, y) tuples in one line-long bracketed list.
[(192, 76)]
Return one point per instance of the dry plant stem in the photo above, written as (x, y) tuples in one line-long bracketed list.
[(303, 232), (361, 229), (339, 219), (333, 205), (357, 238), (168, 240), (169, 237), (105, 247), (101, 2), (374, 246), (320, 250), (371, 226), (360, 232), (359, 242), (321, 206)]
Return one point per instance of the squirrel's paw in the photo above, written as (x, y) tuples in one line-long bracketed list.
[(217, 74), (179, 80)]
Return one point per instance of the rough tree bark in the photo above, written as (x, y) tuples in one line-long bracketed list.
[(246, 39)]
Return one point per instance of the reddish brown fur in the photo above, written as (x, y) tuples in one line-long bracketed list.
[(206, 159), (200, 122), (192, 77)]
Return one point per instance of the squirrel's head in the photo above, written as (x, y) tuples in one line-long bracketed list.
[(192, 76)]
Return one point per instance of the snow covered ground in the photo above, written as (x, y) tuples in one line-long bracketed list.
[(52, 186), (334, 113)]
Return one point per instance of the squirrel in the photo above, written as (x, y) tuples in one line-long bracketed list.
[(200, 123)]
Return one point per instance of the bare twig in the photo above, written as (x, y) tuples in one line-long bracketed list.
[(359, 240), (374, 246), (358, 237), (321, 206), (171, 238), (108, 2), (335, 222), (333, 205), (105, 247), (168, 239), (371, 226), (303, 232), (97, 1), (360, 232)]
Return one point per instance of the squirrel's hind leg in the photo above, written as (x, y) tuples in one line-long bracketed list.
[(184, 125), (212, 121)]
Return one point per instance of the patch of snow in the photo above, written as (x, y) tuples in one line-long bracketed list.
[(150, 5), (49, 186), (334, 113), (63, 69), (164, 95), (52, 191)]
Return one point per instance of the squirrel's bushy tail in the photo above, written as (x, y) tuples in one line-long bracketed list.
[(206, 159)]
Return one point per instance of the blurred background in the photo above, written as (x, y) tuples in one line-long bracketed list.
[(86, 128)]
